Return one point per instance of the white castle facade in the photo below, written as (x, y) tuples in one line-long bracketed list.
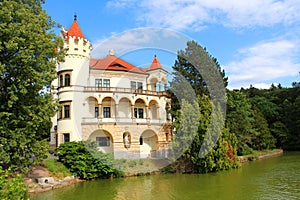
[(123, 108)]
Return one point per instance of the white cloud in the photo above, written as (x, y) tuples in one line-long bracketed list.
[(263, 85), (141, 38), (195, 14), (264, 62)]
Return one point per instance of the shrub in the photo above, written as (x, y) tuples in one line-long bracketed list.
[(85, 161), (12, 186)]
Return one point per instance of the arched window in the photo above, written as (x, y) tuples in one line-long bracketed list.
[(67, 80), (60, 80)]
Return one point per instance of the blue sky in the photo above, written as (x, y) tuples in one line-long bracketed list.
[(257, 42)]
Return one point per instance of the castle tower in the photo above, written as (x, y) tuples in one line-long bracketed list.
[(72, 76)]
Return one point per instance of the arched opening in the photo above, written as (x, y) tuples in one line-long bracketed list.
[(108, 107), (164, 84), (93, 107), (140, 109), (148, 144), (124, 108), (153, 84), (103, 140), (153, 110)]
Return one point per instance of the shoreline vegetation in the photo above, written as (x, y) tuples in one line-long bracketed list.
[(61, 176)]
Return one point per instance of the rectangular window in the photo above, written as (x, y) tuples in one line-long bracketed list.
[(103, 141), (139, 113), (96, 112), (135, 112), (140, 85), (106, 112), (98, 82), (66, 111), (106, 83), (132, 84), (66, 137)]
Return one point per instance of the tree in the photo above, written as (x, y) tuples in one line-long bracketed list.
[(239, 120), (262, 138), (196, 76), (198, 68), (28, 54)]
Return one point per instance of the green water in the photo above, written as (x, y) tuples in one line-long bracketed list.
[(272, 178)]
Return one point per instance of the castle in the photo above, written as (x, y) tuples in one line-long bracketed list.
[(123, 108)]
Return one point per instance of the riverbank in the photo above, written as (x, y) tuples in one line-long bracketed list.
[(257, 155), (40, 179)]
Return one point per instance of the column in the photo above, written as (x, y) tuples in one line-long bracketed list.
[(132, 111), (116, 111), (100, 111), (147, 112)]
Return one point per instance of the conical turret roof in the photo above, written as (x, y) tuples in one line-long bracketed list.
[(155, 64), (74, 31)]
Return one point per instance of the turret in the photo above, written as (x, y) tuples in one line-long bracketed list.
[(73, 76), (74, 40)]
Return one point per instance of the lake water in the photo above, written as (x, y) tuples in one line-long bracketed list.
[(272, 178)]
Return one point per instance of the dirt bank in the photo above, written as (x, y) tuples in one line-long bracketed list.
[(39, 179)]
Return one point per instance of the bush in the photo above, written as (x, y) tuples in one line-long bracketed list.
[(85, 161), (12, 186)]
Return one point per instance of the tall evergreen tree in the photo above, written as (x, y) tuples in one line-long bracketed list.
[(196, 76), (28, 54)]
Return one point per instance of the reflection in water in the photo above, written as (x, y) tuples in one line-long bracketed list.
[(273, 178)]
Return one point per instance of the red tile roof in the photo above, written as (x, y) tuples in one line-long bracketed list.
[(111, 62), (155, 64), (74, 31)]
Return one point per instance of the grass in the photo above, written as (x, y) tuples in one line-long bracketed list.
[(56, 168), (255, 154)]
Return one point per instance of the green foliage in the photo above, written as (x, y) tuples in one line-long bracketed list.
[(12, 186), (85, 161), (239, 119), (27, 65), (281, 108), (200, 141), (217, 155), (262, 138)]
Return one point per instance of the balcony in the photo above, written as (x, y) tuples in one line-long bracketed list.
[(126, 90), (91, 120)]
